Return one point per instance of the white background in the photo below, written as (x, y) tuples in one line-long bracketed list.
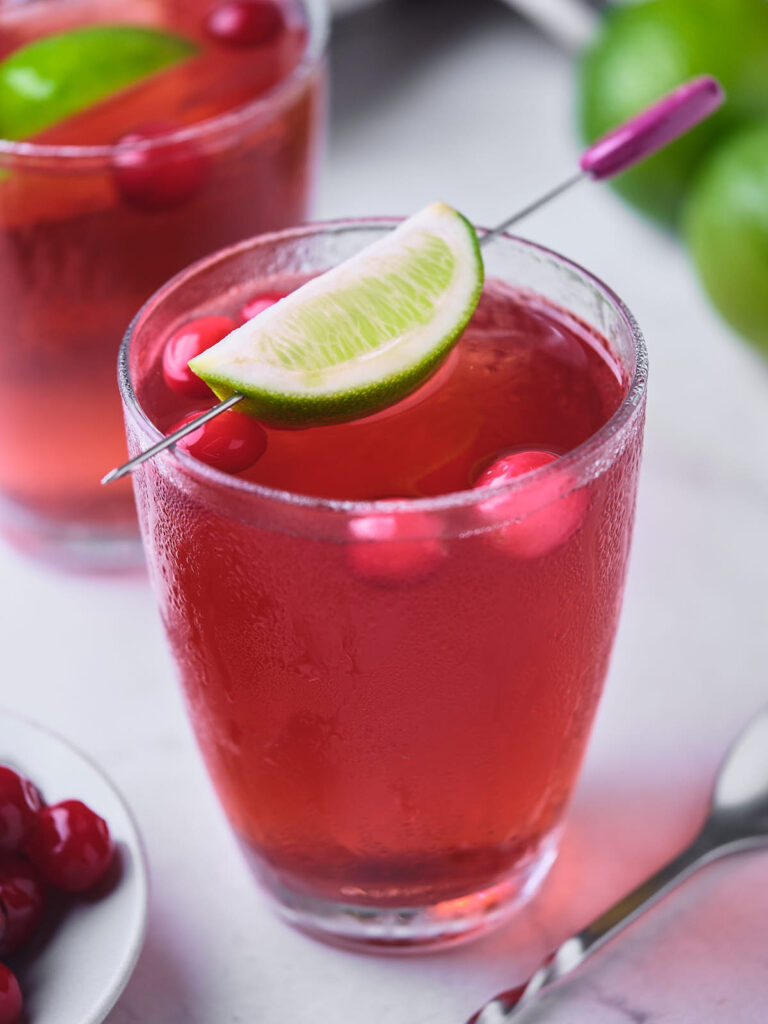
[(461, 102)]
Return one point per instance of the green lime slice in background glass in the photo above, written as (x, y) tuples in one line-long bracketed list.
[(361, 336), (726, 228), (51, 79), (645, 49)]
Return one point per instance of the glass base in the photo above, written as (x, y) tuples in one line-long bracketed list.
[(402, 929), (92, 547)]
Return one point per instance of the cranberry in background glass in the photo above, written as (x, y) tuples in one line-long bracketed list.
[(245, 22), (159, 177), (10, 997), (259, 303), (184, 344), (231, 442), (71, 846), (19, 804), (21, 899)]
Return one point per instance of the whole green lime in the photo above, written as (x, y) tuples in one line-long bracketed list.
[(645, 49), (726, 228)]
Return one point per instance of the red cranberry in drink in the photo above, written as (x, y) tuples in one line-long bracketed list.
[(19, 804), (395, 547), (539, 517), (230, 442), (71, 846), (157, 177), (10, 997), (509, 467), (259, 303), (184, 344), (245, 22), (21, 900)]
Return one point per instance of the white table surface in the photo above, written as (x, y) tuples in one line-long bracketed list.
[(473, 107)]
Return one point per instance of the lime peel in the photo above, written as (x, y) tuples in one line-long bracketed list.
[(359, 337), (57, 76)]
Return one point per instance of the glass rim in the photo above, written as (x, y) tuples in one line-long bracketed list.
[(318, 22), (564, 466)]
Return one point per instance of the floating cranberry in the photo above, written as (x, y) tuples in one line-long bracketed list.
[(245, 22), (230, 442), (186, 343), (157, 177), (11, 1002), (259, 303), (537, 518), (19, 804), (21, 900), (71, 846), (396, 547)]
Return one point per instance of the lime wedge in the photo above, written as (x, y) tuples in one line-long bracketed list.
[(59, 75), (359, 337)]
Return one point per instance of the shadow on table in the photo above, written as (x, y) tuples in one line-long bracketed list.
[(697, 957), (159, 991)]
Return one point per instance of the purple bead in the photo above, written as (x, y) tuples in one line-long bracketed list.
[(652, 129)]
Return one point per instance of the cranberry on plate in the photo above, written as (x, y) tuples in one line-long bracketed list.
[(71, 846), (19, 804), (22, 899), (10, 997)]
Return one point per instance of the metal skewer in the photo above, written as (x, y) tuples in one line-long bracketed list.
[(232, 401), (649, 131), (171, 439)]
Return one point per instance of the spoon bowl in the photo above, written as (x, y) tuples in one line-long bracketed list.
[(740, 796)]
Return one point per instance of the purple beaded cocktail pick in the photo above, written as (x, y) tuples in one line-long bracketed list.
[(645, 134), (637, 139)]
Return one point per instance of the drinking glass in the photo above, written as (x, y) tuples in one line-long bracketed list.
[(80, 251), (395, 759)]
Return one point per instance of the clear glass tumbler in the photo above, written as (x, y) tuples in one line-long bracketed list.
[(85, 239), (395, 760)]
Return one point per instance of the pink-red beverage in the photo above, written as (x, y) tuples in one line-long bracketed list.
[(393, 698), (100, 207)]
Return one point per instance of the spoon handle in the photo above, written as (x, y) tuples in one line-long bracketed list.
[(572, 953)]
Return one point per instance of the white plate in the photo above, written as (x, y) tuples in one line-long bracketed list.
[(73, 973)]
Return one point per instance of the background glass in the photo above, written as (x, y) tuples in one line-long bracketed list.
[(76, 260), (396, 760)]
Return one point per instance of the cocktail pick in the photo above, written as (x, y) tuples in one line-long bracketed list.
[(629, 144)]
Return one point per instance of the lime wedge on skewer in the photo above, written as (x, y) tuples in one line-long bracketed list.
[(359, 337), (59, 75)]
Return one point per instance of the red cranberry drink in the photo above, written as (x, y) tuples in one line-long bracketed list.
[(134, 138), (392, 631)]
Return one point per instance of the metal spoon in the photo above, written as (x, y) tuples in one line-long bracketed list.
[(737, 821)]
